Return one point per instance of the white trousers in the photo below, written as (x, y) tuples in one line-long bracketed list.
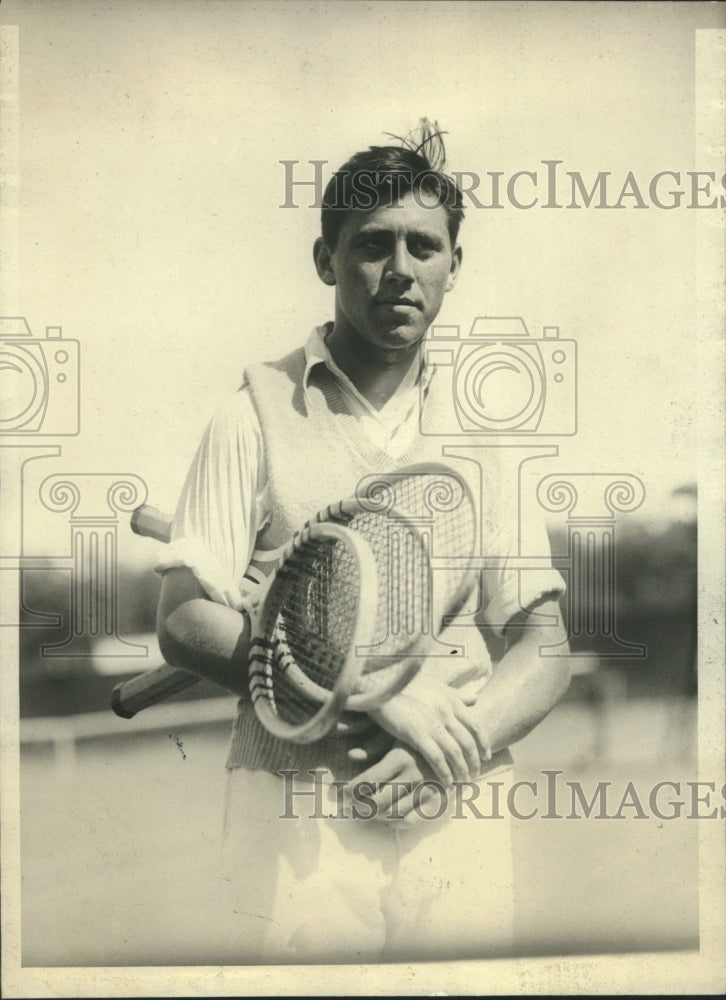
[(329, 890)]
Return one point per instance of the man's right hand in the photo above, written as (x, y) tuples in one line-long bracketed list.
[(436, 721), (391, 785)]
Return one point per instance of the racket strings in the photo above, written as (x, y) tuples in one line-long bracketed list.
[(310, 619), (432, 518)]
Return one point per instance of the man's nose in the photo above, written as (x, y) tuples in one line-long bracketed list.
[(400, 263)]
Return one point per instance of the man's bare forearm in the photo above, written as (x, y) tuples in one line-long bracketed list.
[(525, 686), (209, 639)]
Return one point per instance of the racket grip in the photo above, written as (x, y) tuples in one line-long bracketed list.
[(149, 688), (151, 522)]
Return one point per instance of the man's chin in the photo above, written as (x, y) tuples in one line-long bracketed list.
[(402, 335)]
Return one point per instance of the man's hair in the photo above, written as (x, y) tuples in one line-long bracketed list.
[(382, 175)]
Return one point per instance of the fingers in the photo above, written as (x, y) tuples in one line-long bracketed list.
[(379, 788), (452, 750), (476, 748), (426, 802), (452, 753), (436, 757), (397, 763), (418, 802), (410, 796), (442, 735), (469, 692), (469, 749), (396, 788)]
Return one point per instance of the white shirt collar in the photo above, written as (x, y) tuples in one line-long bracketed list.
[(317, 352)]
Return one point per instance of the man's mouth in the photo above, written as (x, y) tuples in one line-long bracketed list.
[(403, 301)]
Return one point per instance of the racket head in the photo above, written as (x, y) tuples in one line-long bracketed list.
[(306, 656)]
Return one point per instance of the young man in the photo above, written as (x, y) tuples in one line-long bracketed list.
[(300, 433)]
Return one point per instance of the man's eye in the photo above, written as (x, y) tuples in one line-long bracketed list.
[(373, 243), (423, 249)]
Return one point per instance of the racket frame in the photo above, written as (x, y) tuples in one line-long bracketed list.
[(268, 656)]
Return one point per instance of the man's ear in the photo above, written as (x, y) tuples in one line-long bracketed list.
[(323, 261), (456, 259)]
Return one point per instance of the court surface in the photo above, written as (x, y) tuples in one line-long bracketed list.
[(119, 848)]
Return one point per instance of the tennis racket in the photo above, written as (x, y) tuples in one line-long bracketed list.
[(310, 620), (352, 609), (378, 608)]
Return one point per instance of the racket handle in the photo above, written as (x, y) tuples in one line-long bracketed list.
[(153, 686), (150, 521)]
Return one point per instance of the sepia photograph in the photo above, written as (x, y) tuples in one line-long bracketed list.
[(361, 498)]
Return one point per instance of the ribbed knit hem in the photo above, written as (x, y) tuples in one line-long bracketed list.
[(255, 749)]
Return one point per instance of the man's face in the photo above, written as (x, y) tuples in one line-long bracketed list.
[(391, 269)]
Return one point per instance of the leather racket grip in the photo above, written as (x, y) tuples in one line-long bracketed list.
[(149, 688)]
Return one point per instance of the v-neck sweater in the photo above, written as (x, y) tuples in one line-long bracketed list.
[(317, 454)]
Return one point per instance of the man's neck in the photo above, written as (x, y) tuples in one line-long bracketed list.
[(376, 374)]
